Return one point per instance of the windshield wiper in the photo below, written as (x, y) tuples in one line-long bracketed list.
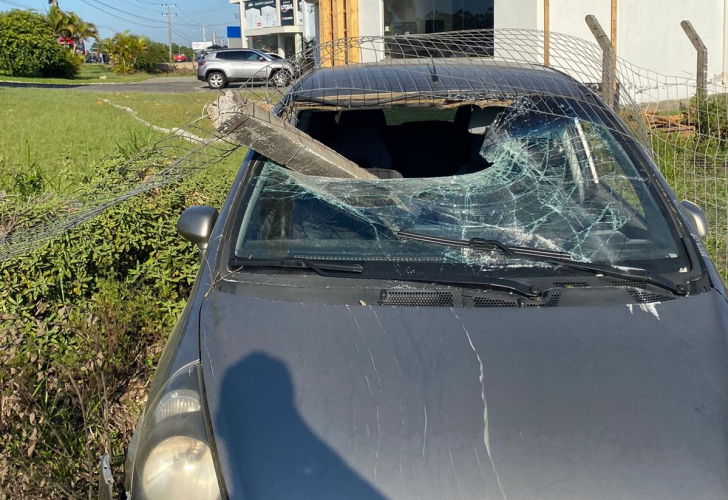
[(331, 269), (320, 267), (485, 245), (559, 258)]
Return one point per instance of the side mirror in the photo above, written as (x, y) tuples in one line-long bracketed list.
[(697, 218), (196, 223)]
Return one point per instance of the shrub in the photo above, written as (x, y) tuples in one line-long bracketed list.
[(28, 47), (147, 61), (709, 114), (82, 322)]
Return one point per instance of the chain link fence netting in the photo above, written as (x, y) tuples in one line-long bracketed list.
[(683, 128)]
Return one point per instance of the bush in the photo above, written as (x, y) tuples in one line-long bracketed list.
[(82, 322), (147, 61), (28, 47), (709, 114)]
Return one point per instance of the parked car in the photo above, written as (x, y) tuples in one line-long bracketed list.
[(220, 67), (180, 58), (518, 307)]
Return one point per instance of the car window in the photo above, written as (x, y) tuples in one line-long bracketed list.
[(250, 56), (234, 55), (547, 182)]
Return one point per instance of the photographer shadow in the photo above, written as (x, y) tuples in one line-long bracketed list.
[(279, 457)]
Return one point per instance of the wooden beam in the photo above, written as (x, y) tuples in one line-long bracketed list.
[(339, 25), (614, 27), (352, 29), (546, 33), (327, 32)]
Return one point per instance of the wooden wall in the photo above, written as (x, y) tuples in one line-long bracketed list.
[(338, 20)]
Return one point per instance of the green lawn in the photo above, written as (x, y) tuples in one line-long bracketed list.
[(165, 110), (58, 134), (90, 73)]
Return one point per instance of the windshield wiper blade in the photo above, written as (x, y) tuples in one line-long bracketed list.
[(485, 246), (559, 258), (323, 268)]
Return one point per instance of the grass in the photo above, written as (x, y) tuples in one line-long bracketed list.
[(58, 135), (90, 73), (165, 110)]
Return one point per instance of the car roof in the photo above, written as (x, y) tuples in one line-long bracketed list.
[(361, 84)]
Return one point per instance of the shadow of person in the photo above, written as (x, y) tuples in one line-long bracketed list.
[(278, 456)]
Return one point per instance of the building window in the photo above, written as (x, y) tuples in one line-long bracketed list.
[(410, 17)]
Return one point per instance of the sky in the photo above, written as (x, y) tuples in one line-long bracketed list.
[(146, 17)]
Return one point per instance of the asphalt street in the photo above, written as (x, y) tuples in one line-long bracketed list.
[(159, 85)]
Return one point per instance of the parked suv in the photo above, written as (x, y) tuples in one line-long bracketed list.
[(220, 67)]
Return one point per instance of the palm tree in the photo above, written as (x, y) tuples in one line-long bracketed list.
[(70, 25), (59, 22), (123, 49), (85, 30)]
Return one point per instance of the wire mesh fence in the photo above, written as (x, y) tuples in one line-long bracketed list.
[(683, 129)]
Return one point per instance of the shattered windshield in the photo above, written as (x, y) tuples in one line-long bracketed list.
[(535, 179)]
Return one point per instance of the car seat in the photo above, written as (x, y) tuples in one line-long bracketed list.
[(360, 138)]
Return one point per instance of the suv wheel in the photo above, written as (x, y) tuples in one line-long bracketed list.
[(280, 78), (216, 80)]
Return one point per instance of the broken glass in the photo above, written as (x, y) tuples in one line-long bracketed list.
[(549, 179)]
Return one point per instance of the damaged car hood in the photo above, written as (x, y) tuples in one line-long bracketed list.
[(313, 401)]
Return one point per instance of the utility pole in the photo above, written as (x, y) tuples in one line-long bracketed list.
[(213, 37), (204, 35), (169, 30), (169, 27)]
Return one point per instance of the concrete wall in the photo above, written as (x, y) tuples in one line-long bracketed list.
[(648, 31), (567, 16), (371, 23), (526, 14), (649, 35)]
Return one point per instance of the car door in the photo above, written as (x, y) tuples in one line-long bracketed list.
[(234, 64), (255, 65)]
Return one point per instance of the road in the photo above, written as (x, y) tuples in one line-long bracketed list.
[(159, 85)]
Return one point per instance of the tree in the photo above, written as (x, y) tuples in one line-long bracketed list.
[(123, 50), (59, 22), (70, 25), (28, 47)]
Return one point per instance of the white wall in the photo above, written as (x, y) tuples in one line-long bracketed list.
[(649, 35), (567, 16), (526, 14)]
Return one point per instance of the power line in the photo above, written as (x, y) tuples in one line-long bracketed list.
[(126, 13)]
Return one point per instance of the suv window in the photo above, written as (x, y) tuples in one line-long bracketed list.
[(230, 56), (248, 55)]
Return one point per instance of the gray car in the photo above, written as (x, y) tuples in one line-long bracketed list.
[(517, 307), (220, 67)]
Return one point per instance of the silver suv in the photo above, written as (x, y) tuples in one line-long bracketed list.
[(220, 67)]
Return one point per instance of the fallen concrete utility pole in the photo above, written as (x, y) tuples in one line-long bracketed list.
[(260, 129)]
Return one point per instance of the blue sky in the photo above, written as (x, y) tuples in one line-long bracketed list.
[(146, 17)]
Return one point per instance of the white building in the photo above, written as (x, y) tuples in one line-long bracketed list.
[(648, 32), (271, 25)]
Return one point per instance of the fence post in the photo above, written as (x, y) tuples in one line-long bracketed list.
[(702, 73), (608, 74)]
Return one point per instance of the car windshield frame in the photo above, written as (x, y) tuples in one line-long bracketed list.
[(508, 265)]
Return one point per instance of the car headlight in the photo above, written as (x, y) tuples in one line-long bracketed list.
[(175, 459)]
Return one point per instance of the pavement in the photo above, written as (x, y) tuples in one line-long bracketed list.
[(158, 85)]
